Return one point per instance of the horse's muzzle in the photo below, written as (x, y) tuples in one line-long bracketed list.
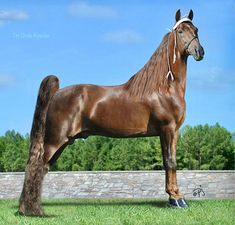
[(199, 53)]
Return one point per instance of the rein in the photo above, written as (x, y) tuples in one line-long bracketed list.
[(170, 74)]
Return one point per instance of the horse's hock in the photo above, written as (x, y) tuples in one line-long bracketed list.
[(124, 184)]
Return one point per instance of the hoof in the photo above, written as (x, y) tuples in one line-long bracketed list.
[(179, 203), (32, 212)]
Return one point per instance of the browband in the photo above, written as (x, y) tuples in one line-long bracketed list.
[(186, 19)]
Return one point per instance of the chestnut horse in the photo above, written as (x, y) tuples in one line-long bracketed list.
[(151, 103)]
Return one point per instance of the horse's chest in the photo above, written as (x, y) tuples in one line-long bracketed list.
[(169, 109)]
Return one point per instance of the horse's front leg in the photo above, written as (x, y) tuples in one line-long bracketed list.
[(168, 143)]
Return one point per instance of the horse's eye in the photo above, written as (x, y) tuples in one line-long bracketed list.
[(180, 31)]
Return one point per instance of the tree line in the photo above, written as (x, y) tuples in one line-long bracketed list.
[(201, 147)]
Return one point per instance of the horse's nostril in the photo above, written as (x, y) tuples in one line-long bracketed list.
[(199, 52), (202, 51)]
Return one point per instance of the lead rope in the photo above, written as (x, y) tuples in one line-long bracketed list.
[(170, 74)]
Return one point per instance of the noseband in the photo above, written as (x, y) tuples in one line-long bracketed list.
[(187, 46)]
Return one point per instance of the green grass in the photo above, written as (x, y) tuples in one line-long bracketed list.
[(122, 212)]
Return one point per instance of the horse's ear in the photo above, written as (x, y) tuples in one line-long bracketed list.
[(177, 15), (190, 15)]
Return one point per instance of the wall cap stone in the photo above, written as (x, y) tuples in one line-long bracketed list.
[(125, 171)]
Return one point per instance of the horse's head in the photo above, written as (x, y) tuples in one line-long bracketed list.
[(187, 36)]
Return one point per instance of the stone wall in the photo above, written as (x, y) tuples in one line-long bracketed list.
[(124, 184)]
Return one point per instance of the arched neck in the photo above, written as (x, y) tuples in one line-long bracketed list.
[(177, 64)]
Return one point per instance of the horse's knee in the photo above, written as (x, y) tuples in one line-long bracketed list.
[(170, 164)]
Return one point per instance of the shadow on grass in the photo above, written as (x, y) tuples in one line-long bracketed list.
[(97, 202), (158, 204), (81, 203), (17, 214), (106, 202)]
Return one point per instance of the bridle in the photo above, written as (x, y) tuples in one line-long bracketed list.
[(188, 44), (170, 74)]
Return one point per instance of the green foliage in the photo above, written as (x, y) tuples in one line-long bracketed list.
[(100, 153), (199, 147), (206, 147), (13, 151)]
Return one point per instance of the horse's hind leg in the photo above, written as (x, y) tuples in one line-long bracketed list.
[(168, 142)]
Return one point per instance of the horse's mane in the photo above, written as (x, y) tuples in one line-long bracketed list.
[(152, 77)]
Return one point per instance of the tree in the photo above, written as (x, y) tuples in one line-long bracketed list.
[(206, 147), (2, 149), (15, 152)]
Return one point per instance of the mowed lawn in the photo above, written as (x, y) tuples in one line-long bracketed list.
[(122, 212)]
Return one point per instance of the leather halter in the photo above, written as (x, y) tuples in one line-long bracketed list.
[(188, 44)]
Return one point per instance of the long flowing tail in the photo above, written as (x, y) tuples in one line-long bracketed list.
[(30, 199)]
